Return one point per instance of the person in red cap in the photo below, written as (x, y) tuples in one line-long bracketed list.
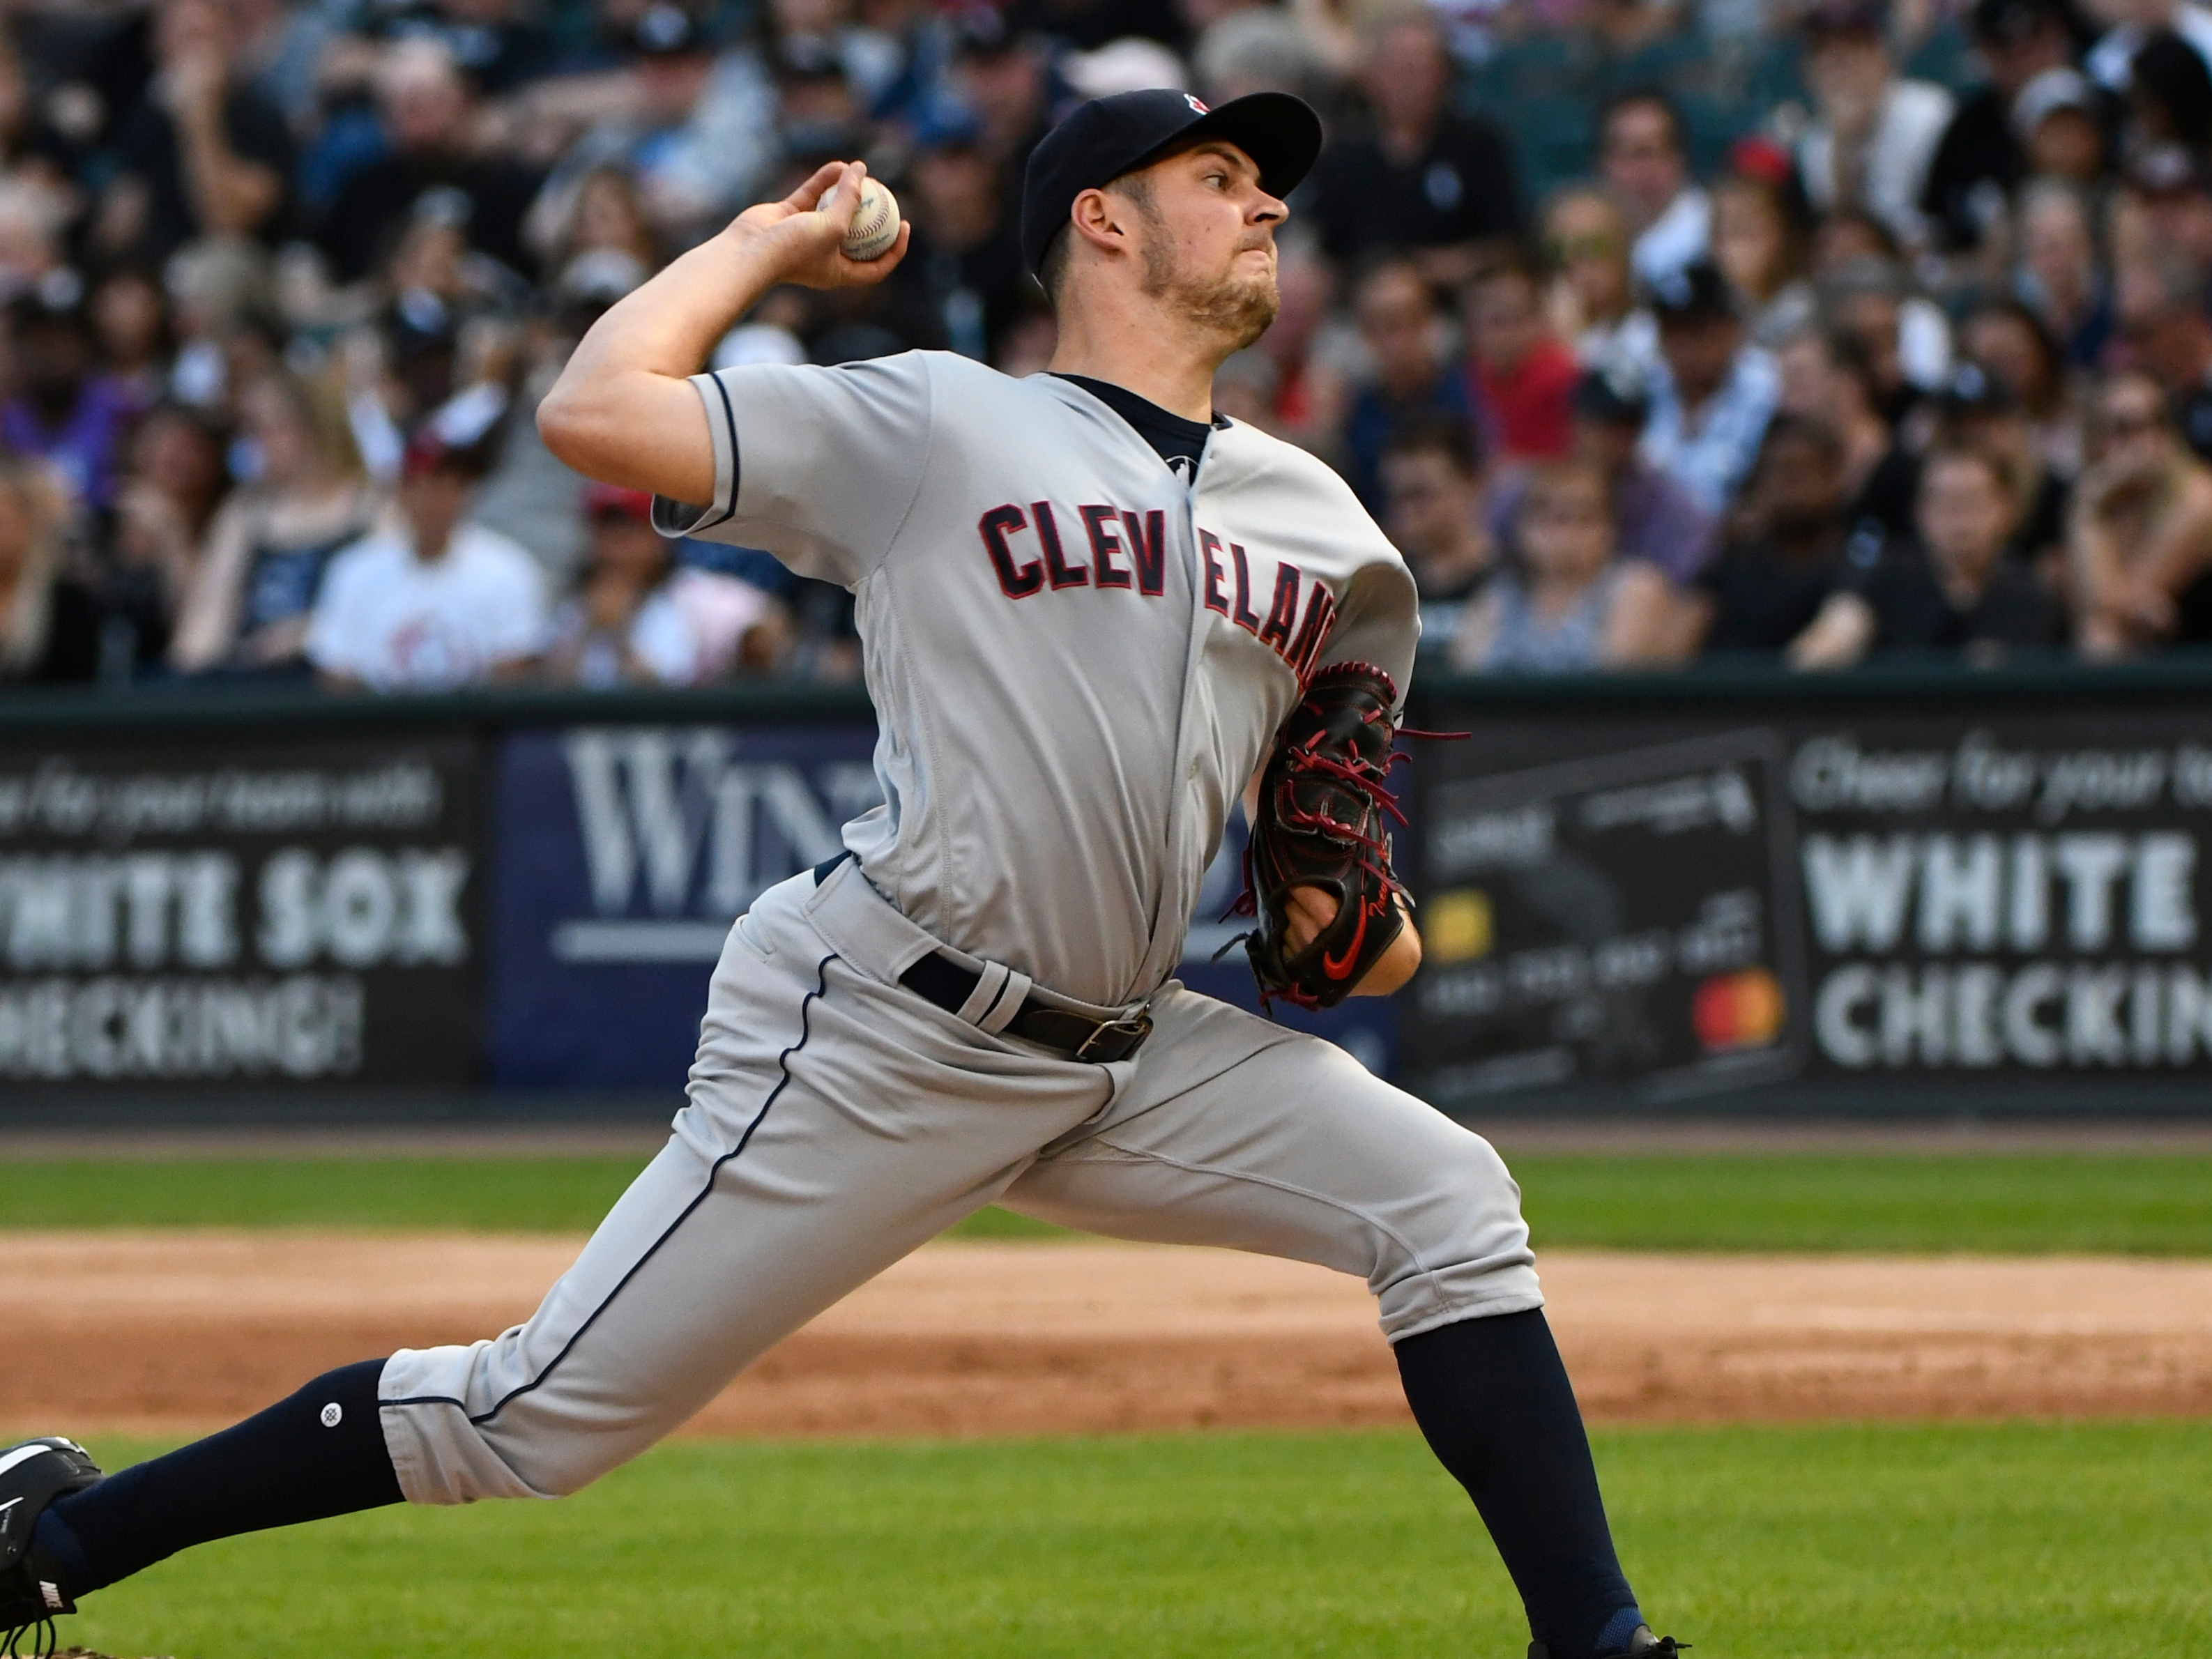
[(622, 628), (639, 618)]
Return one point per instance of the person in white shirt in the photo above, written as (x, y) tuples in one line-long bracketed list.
[(1644, 157), (1876, 133), (625, 626), (436, 604)]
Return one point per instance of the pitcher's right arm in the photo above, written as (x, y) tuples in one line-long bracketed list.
[(621, 412)]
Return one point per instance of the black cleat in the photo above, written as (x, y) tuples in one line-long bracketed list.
[(1642, 1645), (32, 1588)]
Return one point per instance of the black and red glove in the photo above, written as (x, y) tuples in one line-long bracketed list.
[(1323, 801)]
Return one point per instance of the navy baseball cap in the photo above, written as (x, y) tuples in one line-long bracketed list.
[(1107, 137)]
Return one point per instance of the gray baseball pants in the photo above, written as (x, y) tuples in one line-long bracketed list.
[(836, 1121)]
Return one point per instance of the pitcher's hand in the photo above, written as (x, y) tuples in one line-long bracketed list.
[(1311, 910), (801, 237)]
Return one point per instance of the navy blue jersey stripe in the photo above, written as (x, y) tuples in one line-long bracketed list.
[(730, 421)]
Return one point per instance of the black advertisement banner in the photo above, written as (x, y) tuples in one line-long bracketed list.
[(1670, 909), (191, 909)]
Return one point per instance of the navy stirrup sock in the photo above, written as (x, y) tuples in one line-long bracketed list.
[(1492, 1396), (319, 1454)]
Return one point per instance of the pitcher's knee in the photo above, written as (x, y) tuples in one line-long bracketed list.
[(1464, 1248)]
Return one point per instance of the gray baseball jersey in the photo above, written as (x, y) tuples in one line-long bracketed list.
[(1077, 660)]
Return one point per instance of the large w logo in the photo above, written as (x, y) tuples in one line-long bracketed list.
[(668, 815), (644, 797)]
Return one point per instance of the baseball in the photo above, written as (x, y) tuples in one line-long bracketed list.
[(875, 225)]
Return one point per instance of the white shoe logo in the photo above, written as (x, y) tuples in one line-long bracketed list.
[(53, 1593), (6, 1514)]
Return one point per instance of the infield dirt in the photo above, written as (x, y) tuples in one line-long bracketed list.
[(171, 1332)]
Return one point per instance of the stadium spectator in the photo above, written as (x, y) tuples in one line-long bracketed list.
[(1004, 78), (1786, 552), (1905, 336), (1874, 134), (1984, 151), (60, 409), (692, 136), (428, 119), (1310, 348), (2112, 60), (203, 154), (49, 623), (1712, 392), (183, 455), (1829, 377), (2161, 307), (1416, 178), (146, 565), (1760, 246), (434, 602), (1980, 412), (1523, 375), (128, 315), (1568, 601), (2009, 342), (1643, 158), (2059, 119), (267, 554), (1408, 374), (2140, 538), (2169, 96), (1949, 588), (35, 154), (968, 257), (1654, 518), (1433, 488), (624, 626), (1593, 301), (2059, 274)]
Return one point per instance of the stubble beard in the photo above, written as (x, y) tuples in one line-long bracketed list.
[(1236, 310)]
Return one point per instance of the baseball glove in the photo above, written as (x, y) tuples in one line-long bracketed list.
[(1322, 801)]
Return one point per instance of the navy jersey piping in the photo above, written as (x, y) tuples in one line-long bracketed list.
[(783, 1065), (730, 421)]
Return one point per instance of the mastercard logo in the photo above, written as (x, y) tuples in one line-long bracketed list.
[(1737, 1011)]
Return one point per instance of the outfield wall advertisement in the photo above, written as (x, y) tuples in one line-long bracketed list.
[(193, 911), (1640, 912), (1681, 898)]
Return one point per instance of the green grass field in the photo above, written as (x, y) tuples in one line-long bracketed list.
[(2014, 1541), (2142, 1203)]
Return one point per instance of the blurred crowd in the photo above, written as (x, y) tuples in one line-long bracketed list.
[(1651, 330)]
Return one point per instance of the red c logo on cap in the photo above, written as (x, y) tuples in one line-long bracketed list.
[(1189, 98)]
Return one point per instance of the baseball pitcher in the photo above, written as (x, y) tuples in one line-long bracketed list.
[(1091, 610)]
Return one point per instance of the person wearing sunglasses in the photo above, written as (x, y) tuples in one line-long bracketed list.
[(2140, 541)]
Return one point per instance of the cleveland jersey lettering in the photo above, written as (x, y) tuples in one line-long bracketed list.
[(1297, 643)]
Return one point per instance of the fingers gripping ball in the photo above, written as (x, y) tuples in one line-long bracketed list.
[(1324, 799), (875, 224)]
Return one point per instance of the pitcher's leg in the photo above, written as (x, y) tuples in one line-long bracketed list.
[(796, 1174), (1258, 1140), (835, 1122), (1240, 1133)]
